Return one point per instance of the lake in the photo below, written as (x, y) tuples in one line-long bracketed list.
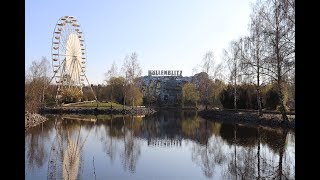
[(165, 145)]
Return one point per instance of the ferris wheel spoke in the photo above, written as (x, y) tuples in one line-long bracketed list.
[(63, 45), (72, 72), (76, 73)]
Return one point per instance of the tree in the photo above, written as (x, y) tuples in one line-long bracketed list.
[(132, 71), (279, 33), (35, 82), (190, 95), (132, 68), (202, 84), (111, 73), (118, 85), (208, 64), (135, 94), (209, 72), (253, 52), (232, 58), (216, 88)]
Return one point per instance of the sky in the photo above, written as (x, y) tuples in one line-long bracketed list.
[(166, 34)]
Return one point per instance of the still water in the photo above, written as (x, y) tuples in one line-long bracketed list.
[(165, 145)]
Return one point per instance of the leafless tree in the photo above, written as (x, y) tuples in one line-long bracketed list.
[(132, 68), (132, 71), (212, 70), (111, 73), (232, 59), (278, 26), (35, 82), (253, 52), (208, 62)]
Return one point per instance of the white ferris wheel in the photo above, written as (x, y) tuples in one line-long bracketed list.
[(68, 56)]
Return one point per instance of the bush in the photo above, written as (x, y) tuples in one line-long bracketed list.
[(246, 97), (271, 97), (226, 97)]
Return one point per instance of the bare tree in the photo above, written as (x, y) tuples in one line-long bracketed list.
[(253, 52), (111, 73), (35, 82), (207, 66), (132, 71), (132, 68), (279, 31), (208, 62), (232, 58), (213, 71)]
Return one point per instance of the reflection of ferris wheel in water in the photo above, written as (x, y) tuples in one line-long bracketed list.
[(68, 56)]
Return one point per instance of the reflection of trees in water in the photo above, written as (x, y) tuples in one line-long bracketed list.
[(206, 149), (113, 127), (190, 127), (36, 146), (240, 165), (203, 156), (241, 151), (120, 133), (280, 169), (209, 152), (66, 150), (131, 150), (251, 159)]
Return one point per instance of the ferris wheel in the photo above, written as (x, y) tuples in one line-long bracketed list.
[(68, 56)]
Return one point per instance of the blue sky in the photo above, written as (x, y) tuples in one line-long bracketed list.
[(166, 34)]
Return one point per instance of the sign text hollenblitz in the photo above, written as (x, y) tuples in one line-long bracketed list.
[(165, 73)]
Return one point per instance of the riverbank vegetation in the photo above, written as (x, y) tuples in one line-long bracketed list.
[(260, 65)]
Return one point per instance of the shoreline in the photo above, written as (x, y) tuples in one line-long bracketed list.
[(96, 111), (249, 117), (272, 120)]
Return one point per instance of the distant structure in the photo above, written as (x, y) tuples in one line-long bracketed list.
[(163, 87)]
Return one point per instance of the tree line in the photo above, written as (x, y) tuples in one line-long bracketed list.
[(267, 54), (122, 88), (264, 61)]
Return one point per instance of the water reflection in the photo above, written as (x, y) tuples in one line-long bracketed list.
[(128, 145), (65, 150), (37, 140), (247, 159)]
